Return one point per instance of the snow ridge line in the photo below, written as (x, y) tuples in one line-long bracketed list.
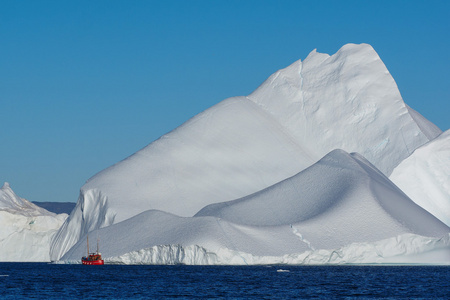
[(262, 111)]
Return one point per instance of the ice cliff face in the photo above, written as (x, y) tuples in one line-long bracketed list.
[(245, 144), (425, 177), (25, 229)]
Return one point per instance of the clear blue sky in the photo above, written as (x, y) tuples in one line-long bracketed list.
[(84, 84)]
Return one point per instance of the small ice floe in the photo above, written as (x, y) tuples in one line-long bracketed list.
[(282, 270), (4, 275)]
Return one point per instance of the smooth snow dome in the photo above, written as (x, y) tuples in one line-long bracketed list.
[(339, 183), (245, 144), (425, 177), (340, 200), (26, 229)]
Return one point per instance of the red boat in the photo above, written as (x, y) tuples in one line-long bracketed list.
[(94, 258)]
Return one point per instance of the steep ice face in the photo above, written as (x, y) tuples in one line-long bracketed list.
[(91, 212), (26, 229), (349, 101), (425, 177), (245, 144), (296, 216)]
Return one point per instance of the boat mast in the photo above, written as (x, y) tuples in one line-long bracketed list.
[(88, 245)]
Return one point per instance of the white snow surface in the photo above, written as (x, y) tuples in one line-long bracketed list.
[(244, 144), (425, 177), (341, 209), (26, 230)]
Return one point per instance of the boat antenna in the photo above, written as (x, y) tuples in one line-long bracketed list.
[(88, 244)]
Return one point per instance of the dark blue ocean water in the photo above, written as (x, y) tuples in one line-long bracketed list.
[(46, 281)]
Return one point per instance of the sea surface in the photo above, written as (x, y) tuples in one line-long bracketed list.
[(53, 281)]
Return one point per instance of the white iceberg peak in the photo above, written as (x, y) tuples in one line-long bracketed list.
[(26, 229)]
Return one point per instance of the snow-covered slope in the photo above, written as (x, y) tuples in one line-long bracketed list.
[(245, 144), (425, 177), (25, 229), (340, 201), (339, 182)]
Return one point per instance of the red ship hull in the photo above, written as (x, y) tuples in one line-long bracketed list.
[(93, 262), (93, 258)]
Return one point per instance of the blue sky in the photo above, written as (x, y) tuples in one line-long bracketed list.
[(84, 84)]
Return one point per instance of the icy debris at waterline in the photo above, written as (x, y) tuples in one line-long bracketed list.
[(404, 249), (244, 144)]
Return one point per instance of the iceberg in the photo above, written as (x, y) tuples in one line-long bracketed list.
[(243, 145), (26, 229), (340, 210)]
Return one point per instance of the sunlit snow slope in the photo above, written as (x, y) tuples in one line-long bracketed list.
[(425, 177), (245, 144), (25, 229), (339, 201)]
